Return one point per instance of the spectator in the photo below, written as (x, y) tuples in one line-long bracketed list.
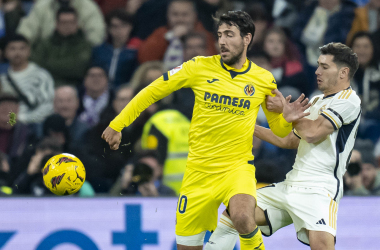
[(123, 96), (108, 6), (96, 97), (286, 68), (146, 73), (353, 184), (319, 23), (370, 174), (31, 181), (67, 53), (66, 104), (40, 23), (261, 19), (116, 55), (366, 19), (143, 177), (194, 44), (164, 44), (11, 13), (54, 127), (367, 77), (103, 165), (13, 139), (33, 85), (167, 132)]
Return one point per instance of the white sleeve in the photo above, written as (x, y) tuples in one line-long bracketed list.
[(343, 110)]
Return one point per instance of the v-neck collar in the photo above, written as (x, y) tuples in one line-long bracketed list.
[(235, 73)]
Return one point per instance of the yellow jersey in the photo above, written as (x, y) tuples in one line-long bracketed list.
[(225, 110)]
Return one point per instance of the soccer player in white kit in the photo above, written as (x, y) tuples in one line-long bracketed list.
[(309, 197)]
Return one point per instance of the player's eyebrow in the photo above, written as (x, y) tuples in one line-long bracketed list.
[(226, 32), (323, 64)]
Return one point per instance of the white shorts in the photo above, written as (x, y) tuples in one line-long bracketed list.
[(308, 208)]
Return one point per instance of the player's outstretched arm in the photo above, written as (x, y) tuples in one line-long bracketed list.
[(289, 142), (313, 131), (169, 82)]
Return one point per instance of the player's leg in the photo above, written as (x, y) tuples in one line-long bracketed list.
[(197, 210), (239, 195), (268, 216), (321, 240), (241, 208), (225, 235), (314, 214)]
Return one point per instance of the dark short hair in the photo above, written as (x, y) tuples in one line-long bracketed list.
[(121, 15), (8, 98), (15, 38), (343, 56), (240, 19), (66, 10)]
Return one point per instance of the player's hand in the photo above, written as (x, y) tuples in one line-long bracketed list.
[(112, 137), (275, 103), (295, 110)]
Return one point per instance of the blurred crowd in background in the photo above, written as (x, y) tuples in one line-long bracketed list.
[(68, 67)]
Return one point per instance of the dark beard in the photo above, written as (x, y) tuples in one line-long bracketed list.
[(234, 59)]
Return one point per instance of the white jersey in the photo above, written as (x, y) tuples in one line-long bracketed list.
[(323, 164)]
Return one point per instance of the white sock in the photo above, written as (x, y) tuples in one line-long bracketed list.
[(224, 237)]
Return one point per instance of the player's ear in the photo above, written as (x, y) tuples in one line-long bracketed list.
[(343, 72), (247, 39)]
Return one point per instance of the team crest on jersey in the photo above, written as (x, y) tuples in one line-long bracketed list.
[(322, 109), (175, 70), (249, 90)]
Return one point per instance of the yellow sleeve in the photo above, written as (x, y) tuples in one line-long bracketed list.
[(169, 82), (276, 121)]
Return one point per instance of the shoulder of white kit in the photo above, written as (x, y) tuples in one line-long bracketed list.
[(348, 95)]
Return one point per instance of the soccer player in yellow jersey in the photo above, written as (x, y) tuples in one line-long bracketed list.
[(229, 90)]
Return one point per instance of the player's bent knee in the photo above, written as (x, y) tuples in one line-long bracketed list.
[(191, 241), (244, 222)]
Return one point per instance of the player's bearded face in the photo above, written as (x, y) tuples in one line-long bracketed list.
[(327, 73), (231, 44)]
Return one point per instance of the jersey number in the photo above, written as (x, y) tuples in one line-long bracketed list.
[(182, 204)]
